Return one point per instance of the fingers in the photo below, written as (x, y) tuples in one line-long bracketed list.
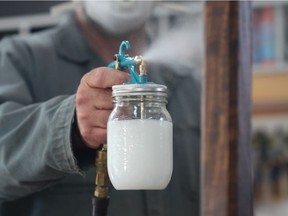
[(94, 137), (94, 103), (88, 98), (105, 78), (97, 118)]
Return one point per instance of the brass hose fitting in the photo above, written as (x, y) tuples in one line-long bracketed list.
[(102, 178), (100, 200)]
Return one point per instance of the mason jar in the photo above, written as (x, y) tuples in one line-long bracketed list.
[(139, 138)]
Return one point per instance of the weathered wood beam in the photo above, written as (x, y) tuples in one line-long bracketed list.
[(226, 163)]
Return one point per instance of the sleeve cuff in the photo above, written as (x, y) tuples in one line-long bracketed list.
[(84, 156), (69, 152)]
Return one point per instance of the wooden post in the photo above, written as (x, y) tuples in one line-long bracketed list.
[(226, 164)]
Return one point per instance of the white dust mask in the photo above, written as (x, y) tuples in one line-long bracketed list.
[(119, 17)]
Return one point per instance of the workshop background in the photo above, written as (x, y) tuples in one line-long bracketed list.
[(270, 83)]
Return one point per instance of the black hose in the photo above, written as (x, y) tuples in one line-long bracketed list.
[(100, 206)]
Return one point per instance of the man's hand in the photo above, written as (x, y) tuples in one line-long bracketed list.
[(94, 103)]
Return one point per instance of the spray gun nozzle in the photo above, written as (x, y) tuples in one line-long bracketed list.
[(142, 66), (138, 59), (122, 61)]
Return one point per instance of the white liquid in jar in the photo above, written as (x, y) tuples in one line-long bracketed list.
[(139, 154)]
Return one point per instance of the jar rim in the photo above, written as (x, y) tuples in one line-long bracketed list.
[(139, 89)]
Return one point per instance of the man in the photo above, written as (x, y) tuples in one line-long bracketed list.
[(55, 98)]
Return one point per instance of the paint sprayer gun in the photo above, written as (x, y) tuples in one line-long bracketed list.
[(123, 62)]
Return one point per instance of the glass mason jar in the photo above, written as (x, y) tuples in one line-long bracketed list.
[(139, 135)]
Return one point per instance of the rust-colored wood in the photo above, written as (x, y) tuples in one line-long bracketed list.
[(270, 109), (226, 164)]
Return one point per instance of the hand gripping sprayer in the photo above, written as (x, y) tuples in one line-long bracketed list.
[(121, 62)]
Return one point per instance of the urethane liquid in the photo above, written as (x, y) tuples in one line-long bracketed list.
[(139, 154)]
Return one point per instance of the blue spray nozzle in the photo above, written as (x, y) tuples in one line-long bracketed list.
[(122, 61)]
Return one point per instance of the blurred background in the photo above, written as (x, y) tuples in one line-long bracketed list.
[(270, 80), (270, 107)]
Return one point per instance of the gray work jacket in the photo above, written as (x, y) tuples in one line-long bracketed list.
[(39, 176)]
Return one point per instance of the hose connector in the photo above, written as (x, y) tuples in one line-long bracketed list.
[(102, 178)]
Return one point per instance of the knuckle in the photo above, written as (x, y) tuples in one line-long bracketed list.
[(81, 98), (82, 117)]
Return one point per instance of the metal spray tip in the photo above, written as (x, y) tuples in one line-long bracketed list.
[(139, 60)]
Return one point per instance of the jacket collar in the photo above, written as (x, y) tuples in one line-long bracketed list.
[(70, 42)]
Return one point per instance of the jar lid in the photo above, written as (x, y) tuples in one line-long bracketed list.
[(139, 89)]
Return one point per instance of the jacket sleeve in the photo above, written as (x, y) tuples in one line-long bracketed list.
[(35, 147)]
